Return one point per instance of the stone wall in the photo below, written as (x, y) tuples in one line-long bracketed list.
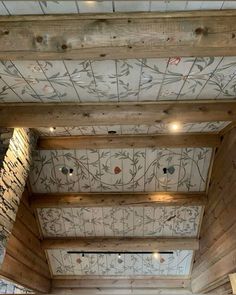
[(15, 159)]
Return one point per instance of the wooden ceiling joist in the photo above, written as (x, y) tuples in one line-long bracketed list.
[(62, 200), (98, 114), (129, 141), (118, 35), (121, 283), (121, 244)]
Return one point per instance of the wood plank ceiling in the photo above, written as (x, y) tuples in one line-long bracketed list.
[(121, 172)]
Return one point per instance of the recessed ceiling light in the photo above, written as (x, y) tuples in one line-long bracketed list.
[(90, 2), (156, 255), (174, 127), (52, 129)]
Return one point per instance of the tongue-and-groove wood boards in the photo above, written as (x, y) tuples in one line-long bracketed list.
[(130, 80)]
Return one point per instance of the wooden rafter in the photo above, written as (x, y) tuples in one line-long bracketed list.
[(129, 141), (118, 283), (136, 244), (118, 35), (61, 200), (97, 114)]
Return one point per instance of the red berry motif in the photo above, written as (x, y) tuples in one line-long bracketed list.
[(117, 170)]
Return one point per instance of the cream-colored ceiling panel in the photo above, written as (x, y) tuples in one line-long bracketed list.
[(14, 7), (131, 6), (176, 264), (121, 170), (132, 129), (95, 6), (58, 7), (170, 221), (120, 80), (23, 7)]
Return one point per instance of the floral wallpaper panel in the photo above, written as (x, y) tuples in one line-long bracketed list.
[(180, 169), (118, 80), (176, 264), (160, 128), (7, 287), (170, 221), (72, 6)]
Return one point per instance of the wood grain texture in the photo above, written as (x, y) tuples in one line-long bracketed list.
[(25, 261), (118, 35), (62, 115), (216, 256), (62, 200), (121, 244), (128, 141), (144, 282)]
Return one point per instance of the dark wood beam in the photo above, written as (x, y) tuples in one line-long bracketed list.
[(129, 141), (122, 244), (62, 200), (66, 115), (118, 35)]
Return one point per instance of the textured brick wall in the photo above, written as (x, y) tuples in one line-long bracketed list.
[(15, 159)]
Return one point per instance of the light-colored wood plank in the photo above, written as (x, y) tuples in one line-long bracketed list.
[(121, 244), (128, 141), (216, 257), (23, 234), (114, 35), (70, 200), (144, 282), (61, 115), (23, 275), (25, 255)]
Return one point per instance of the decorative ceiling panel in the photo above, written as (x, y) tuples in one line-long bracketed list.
[(176, 264), (118, 80), (7, 287), (14, 7), (170, 221), (132, 129), (179, 169)]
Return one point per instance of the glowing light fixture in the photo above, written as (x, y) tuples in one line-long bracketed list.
[(156, 255), (52, 129), (175, 126)]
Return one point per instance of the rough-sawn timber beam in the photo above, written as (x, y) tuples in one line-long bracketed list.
[(128, 141), (71, 200), (118, 35), (120, 283), (121, 244), (95, 114)]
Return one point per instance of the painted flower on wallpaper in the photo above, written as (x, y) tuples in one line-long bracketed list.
[(117, 170), (35, 68), (48, 89), (174, 60)]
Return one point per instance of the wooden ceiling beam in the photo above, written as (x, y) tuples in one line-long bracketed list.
[(129, 141), (117, 283), (73, 200), (98, 114), (118, 35), (122, 244)]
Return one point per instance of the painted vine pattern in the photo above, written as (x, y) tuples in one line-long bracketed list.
[(97, 169), (128, 79)]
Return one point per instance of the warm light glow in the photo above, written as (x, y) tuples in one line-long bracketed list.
[(175, 127), (52, 129), (232, 278), (156, 255), (90, 2)]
